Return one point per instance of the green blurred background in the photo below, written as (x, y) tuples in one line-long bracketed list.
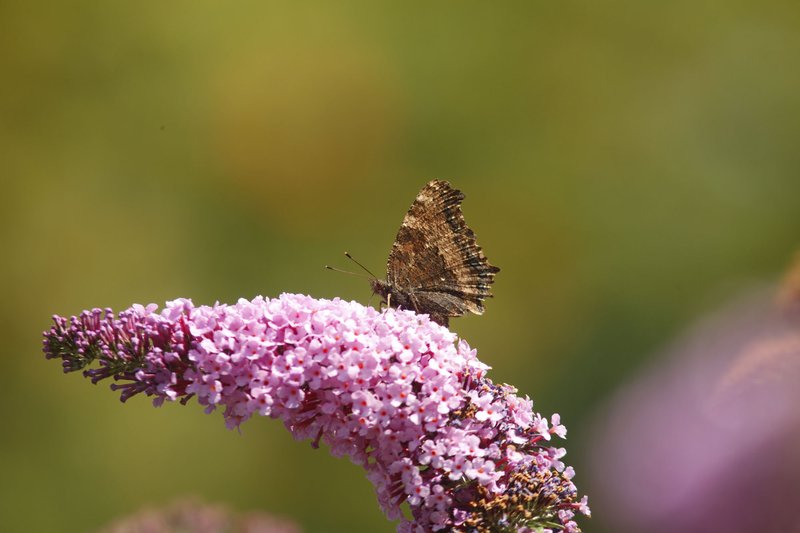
[(628, 165)]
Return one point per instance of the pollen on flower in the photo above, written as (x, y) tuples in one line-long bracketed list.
[(392, 390)]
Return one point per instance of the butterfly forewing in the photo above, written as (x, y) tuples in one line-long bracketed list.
[(435, 265)]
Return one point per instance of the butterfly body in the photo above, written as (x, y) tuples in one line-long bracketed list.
[(435, 265)]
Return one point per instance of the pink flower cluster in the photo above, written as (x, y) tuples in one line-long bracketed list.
[(392, 390)]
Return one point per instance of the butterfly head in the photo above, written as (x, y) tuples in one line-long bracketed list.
[(381, 288)]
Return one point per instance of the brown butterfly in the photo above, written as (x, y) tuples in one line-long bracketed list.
[(436, 266)]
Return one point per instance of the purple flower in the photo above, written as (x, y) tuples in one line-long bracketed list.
[(198, 517), (392, 390), (707, 439)]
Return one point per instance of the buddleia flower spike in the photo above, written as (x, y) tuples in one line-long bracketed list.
[(397, 393)]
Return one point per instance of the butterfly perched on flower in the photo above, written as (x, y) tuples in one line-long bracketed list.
[(436, 266)]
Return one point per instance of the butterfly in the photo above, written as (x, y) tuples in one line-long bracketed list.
[(435, 266)]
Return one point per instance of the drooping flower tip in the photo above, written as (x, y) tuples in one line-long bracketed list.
[(392, 390)]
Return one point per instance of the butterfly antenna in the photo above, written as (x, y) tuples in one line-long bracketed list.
[(350, 257), (345, 271)]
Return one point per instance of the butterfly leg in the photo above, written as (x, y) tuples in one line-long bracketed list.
[(414, 301)]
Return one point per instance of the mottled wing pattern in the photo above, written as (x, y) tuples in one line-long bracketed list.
[(436, 265)]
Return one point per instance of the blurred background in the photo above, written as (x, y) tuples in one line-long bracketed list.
[(630, 166)]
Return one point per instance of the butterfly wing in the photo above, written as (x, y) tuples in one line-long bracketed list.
[(436, 264)]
